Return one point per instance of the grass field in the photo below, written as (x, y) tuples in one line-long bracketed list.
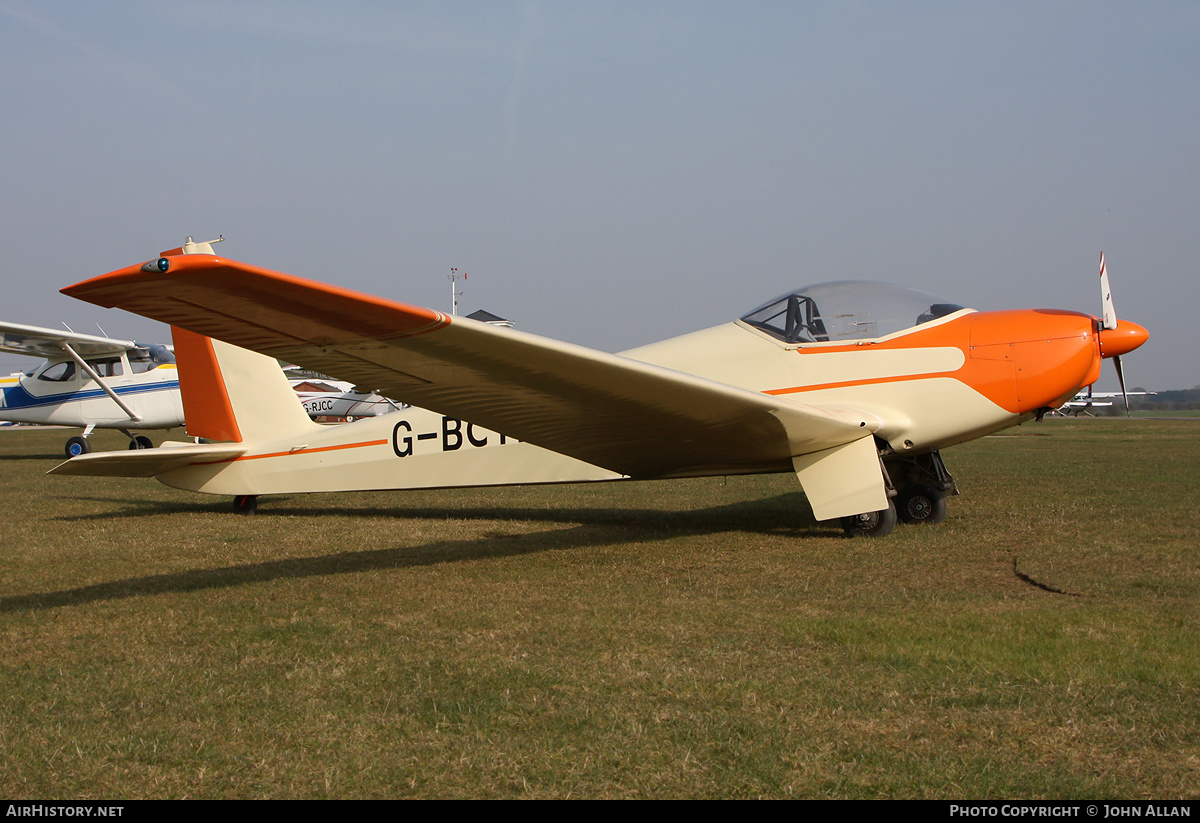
[(700, 638)]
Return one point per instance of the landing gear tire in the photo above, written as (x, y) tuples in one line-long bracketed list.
[(77, 446), (141, 442), (871, 524), (245, 503), (921, 504)]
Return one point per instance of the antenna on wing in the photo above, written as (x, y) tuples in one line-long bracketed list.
[(190, 246)]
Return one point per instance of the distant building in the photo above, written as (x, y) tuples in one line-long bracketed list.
[(484, 316)]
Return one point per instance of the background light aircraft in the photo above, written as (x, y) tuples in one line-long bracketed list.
[(856, 387), (1083, 402), (324, 397), (91, 382), (101, 382), (95, 382)]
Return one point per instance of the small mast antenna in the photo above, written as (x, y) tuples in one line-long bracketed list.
[(454, 292)]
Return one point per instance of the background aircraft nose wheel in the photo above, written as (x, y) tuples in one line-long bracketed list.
[(921, 503), (77, 446), (141, 442), (871, 524), (245, 503)]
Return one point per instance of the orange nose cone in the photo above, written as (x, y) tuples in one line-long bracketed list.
[(1123, 339)]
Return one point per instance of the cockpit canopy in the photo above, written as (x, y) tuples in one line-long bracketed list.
[(846, 310)]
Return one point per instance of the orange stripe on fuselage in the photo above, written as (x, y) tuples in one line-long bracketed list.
[(1021, 360), (293, 452), (865, 382)]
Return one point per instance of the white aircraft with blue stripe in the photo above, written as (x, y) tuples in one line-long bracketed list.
[(91, 382)]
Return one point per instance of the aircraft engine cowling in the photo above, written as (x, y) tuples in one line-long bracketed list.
[(1053, 353)]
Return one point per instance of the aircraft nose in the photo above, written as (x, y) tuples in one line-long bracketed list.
[(1051, 353), (1123, 339)]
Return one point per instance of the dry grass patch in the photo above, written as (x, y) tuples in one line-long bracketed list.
[(697, 638)]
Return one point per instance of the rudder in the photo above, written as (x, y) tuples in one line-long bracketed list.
[(232, 394)]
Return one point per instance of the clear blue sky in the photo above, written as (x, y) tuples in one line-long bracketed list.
[(612, 173)]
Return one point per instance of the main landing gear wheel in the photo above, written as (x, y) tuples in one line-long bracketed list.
[(77, 446), (871, 524), (141, 442), (245, 503), (921, 504)]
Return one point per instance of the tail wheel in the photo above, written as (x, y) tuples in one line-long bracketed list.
[(77, 446), (922, 504), (871, 524), (245, 503)]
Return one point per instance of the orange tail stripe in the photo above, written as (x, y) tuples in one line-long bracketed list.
[(206, 406)]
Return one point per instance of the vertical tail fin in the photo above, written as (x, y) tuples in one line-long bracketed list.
[(231, 394)]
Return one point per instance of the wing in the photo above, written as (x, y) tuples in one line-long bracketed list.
[(19, 339), (631, 417)]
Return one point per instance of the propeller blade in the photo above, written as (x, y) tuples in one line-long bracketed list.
[(1109, 313), (1121, 379)]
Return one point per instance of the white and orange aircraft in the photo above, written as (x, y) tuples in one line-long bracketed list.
[(856, 387)]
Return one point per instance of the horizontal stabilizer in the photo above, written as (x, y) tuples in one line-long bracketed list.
[(148, 462)]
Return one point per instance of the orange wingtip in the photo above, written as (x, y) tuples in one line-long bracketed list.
[(253, 307)]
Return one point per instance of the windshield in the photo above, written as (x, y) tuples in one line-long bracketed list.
[(145, 358), (847, 310)]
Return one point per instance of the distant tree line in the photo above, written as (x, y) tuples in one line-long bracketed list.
[(1177, 399)]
